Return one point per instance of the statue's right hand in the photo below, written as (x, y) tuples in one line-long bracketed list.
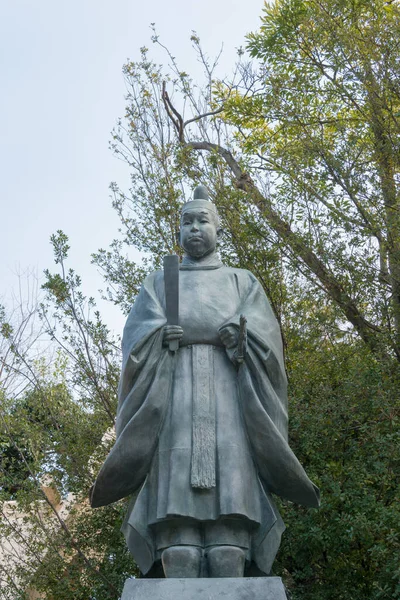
[(171, 332)]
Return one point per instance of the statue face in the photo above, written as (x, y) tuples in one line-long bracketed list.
[(199, 232)]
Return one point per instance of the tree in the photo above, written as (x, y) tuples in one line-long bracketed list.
[(53, 418), (321, 117)]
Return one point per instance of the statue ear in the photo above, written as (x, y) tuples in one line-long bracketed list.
[(178, 236), (220, 233)]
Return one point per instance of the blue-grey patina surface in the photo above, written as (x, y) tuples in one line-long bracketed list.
[(202, 439)]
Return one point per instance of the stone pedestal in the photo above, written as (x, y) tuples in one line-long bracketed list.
[(244, 588)]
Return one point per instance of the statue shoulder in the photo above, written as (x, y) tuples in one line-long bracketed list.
[(151, 286), (242, 274), (154, 276), (149, 295), (153, 279)]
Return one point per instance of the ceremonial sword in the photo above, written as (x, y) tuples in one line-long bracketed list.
[(242, 340)]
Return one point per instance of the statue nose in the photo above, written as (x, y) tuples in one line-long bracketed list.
[(194, 227)]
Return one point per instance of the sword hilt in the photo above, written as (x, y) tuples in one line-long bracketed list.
[(242, 340)]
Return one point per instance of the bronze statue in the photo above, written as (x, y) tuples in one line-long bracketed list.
[(202, 418)]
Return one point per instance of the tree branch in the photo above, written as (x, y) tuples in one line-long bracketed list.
[(367, 330)]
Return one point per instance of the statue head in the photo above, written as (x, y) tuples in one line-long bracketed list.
[(199, 229)]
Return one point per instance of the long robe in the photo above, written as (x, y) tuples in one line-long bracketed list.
[(166, 399)]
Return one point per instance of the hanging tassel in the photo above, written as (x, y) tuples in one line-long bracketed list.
[(203, 435)]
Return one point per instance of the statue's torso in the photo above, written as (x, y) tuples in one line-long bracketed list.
[(208, 298)]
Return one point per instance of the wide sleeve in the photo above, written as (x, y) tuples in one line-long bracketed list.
[(263, 391), (141, 348), (144, 391)]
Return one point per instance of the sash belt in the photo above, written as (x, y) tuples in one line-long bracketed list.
[(203, 435)]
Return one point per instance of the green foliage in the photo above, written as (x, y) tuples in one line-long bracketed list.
[(345, 429), (324, 119), (100, 568), (77, 327), (53, 416)]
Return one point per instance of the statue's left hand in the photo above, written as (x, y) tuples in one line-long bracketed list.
[(229, 336)]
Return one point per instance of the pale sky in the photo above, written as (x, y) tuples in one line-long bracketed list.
[(62, 91)]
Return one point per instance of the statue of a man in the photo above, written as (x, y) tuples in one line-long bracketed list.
[(202, 435)]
